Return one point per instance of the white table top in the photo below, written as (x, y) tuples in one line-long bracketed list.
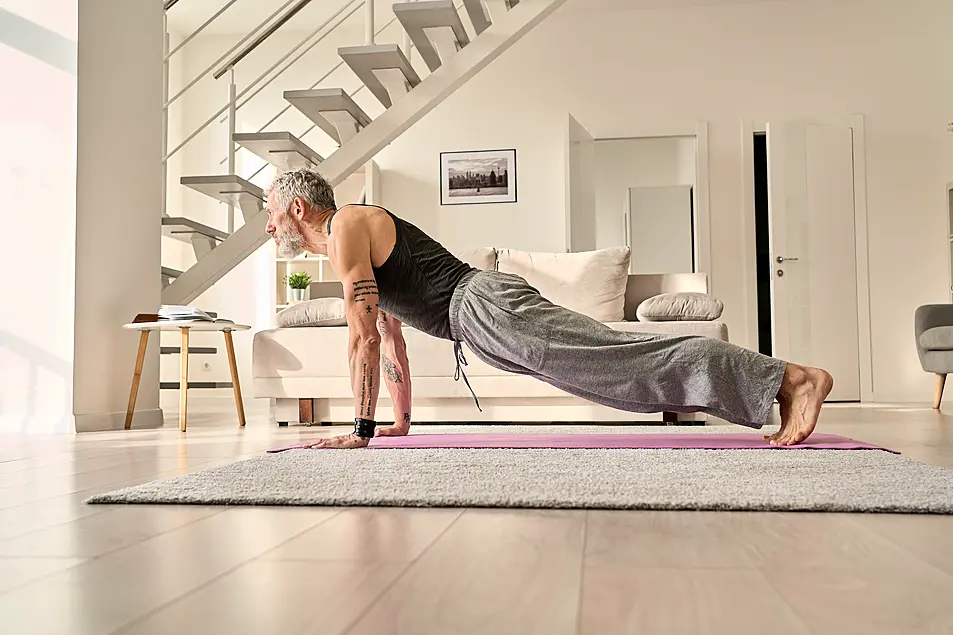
[(175, 325)]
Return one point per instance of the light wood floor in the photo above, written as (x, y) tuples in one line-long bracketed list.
[(66, 567)]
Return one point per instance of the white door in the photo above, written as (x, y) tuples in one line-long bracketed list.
[(814, 266), (580, 189)]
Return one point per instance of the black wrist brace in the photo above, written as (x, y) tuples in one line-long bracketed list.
[(364, 428)]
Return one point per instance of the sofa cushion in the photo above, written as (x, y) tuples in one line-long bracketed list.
[(939, 338), (322, 352), (590, 282), (483, 258), (679, 307), (319, 312), (715, 330)]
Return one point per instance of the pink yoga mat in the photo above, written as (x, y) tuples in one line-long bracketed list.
[(680, 441)]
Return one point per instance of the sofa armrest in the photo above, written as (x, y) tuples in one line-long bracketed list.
[(930, 316)]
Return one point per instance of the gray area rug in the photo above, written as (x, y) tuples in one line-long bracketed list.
[(765, 480)]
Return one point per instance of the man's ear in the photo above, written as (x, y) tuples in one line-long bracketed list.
[(299, 207)]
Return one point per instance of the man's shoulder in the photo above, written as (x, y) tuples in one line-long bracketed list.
[(356, 222), (357, 214)]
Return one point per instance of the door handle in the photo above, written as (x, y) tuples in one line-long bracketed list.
[(781, 259)]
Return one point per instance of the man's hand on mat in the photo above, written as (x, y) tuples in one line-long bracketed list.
[(343, 442)]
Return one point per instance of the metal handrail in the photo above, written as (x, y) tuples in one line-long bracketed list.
[(225, 108), (321, 79), (303, 53), (261, 38), (230, 51), (198, 30)]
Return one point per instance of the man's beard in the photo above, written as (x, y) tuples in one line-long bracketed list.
[(290, 242)]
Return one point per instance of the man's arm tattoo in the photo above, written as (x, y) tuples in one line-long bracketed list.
[(365, 291), (364, 393), (406, 417), (370, 391), (390, 369)]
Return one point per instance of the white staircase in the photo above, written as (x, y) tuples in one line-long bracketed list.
[(453, 58)]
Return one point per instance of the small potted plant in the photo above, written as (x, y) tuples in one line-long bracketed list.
[(299, 282)]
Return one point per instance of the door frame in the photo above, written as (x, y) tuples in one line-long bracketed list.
[(861, 245), (570, 142), (699, 130)]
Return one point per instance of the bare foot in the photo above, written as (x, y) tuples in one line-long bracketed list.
[(803, 391), (392, 431)]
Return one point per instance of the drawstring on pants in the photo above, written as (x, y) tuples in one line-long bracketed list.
[(461, 362)]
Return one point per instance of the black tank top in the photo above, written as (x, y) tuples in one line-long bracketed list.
[(417, 280)]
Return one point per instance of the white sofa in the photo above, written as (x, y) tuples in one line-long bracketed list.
[(305, 369)]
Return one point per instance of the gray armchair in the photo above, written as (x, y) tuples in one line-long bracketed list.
[(933, 325)]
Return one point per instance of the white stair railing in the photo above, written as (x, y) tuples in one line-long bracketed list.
[(404, 106)]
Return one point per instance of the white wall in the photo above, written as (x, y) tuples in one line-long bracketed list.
[(657, 72), (118, 192), (38, 182), (645, 162)]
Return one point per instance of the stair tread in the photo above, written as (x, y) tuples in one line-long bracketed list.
[(312, 103), (434, 13), (187, 227), (478, 15), (228, 188), (364, 60), (281, 149), (415, 17)]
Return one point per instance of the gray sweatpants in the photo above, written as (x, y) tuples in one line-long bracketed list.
[(510, 326)]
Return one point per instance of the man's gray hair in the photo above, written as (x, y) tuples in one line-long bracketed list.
[(307, 184)]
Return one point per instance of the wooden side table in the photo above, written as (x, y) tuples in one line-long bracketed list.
[(185, 327)]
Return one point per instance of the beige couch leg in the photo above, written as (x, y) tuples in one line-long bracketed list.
[(286, 410), (938, 390), (321, 411), (305, 412)]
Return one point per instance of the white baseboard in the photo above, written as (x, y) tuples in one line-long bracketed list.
[(101, 422)]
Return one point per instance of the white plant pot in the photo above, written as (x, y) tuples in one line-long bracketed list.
[(299, 295)]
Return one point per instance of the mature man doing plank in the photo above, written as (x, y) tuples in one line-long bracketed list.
[(394, 273)]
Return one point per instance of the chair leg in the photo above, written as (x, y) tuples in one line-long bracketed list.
[(136, 376), (184, 379), (938, 390), (236, 387)]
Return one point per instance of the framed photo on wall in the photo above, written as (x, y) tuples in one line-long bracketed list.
[(479, 176)]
